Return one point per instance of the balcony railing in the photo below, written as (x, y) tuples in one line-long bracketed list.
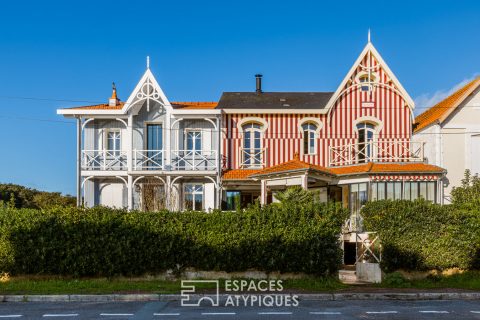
[(186, 160), (377, 151), (104, 160), (252, 158), (193, 160), (148, 160)]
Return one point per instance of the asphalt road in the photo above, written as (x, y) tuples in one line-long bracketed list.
[(352, 309)]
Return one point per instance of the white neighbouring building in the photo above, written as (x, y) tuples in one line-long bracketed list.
[(450, 131)]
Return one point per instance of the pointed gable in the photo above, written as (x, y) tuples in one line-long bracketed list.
[(147, 90), (370, 62)]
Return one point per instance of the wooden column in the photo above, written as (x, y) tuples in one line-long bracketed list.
[(79, 162), (263, 188)]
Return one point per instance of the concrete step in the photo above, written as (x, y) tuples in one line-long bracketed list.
[(347, 276)]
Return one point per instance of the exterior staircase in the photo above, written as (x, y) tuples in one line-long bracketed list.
[(348, 276)]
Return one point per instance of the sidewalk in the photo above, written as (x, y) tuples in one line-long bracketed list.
[(391, 295)]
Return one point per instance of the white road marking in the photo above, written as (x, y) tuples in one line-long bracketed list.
[(11, 316), (60, 315), (380, 312), (166, 314), (433, 311), (218, 313), (324, 312), (116, 314), (273, 313), (475, 311)]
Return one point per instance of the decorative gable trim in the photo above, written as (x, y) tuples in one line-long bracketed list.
[(147, 90), (370, 48)]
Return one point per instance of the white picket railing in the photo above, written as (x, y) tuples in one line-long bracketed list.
[(399, 150), (252, 158), (104, 160), (194, 160), (148, 160)]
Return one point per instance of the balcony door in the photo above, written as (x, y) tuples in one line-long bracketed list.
[(154, 145), (365, 148), (252, 145)]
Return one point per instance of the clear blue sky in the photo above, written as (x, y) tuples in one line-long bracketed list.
[(73, 50)]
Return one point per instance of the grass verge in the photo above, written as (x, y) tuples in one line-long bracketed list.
[(37, 285), (469, 280)]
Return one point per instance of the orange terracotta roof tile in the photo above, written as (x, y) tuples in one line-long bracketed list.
[(103, 106), (238, 174), (444, 108), (176, 105), (292, 165), (194, 105), (387, 168)]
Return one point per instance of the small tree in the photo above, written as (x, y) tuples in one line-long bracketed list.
[(468, 194), (295, 194)]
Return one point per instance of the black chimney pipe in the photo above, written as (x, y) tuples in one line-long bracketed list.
[(258, 77)]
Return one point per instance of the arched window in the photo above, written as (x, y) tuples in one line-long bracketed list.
[(366, 136), (309, 134), (252, 153), (366, 81)]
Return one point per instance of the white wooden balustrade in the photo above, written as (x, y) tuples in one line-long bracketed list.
[(186, 160), (148, 160), (251, 158), (104, 160), (194, 160), (385, 150)]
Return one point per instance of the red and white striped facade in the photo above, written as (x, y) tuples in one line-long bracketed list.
[(391, 110)]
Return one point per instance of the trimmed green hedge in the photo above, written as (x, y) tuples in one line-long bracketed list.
[(106, 242), (419, 235)]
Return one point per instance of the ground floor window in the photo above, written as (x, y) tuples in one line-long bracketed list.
[(425, 190), (386, 190), (193, 196), (408, 190), (358, 196), (232, 200)]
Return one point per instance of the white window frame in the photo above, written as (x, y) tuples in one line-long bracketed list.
[(315, 138), (202, 193), (252, 131), (107, 133), (186, 132)]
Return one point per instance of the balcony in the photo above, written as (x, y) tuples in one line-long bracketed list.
[(143, 160), (383, 150), (195, 160), (104, 160), (148, 160), (253, 158)]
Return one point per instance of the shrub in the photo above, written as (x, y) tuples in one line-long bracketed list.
[(420, 235), (468, 194), (106, 242)]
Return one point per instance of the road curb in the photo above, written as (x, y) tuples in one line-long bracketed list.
[(301, 296)]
